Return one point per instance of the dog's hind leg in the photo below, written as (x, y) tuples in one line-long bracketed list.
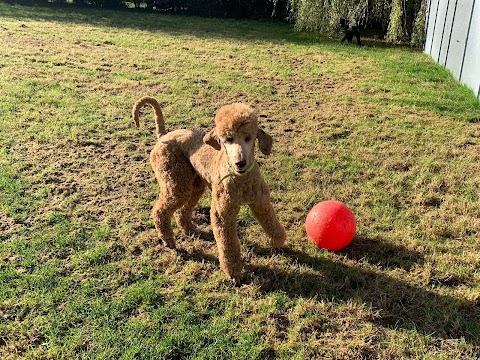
[(162, 213), (172, 197), (357, 35), (175, 177), (183, 216)]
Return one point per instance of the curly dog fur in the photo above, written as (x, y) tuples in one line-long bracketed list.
[(185, 161)]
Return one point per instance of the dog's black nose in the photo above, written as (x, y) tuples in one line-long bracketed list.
[(241, 164)]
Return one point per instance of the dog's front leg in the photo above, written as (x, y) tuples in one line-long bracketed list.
[(263, 210), (223, 214)]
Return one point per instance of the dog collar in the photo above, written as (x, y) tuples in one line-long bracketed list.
[(231, 173)]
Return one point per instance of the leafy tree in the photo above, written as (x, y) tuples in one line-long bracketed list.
[(402, 20)]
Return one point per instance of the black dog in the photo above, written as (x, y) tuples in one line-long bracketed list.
[(350, 32)]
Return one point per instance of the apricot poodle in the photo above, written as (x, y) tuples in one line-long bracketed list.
[(185, 161)]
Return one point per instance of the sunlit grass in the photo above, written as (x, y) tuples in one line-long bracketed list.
[(384, 130)]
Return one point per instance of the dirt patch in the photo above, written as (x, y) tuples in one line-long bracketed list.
[(7, 225)]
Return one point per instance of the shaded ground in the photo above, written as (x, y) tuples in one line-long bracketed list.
[(382, 129)]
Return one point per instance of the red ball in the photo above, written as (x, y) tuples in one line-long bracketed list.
[(331, 225)]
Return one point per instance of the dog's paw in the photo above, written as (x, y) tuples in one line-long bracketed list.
[(169, 244), (237, 280), (235, 276), (278, 240)]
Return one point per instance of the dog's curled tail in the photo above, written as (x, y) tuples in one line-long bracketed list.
[(159, 123)]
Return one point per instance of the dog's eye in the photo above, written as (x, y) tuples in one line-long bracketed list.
[(247, 139), (229, 139)]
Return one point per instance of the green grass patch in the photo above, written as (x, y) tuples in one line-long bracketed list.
[(383, 129)]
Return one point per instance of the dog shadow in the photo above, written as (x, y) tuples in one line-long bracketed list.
[(399, 304)]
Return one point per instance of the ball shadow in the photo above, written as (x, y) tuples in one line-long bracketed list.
[(377, 251)]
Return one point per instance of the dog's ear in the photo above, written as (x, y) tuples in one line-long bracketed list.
[(265, 142), (210, 138)]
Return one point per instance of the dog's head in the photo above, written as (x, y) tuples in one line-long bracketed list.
[(236, 128)]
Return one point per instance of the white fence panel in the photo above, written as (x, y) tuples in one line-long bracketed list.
[(447, 31), (438, 29), (431, 18), (471, 66), (453, 38), (459, 37)]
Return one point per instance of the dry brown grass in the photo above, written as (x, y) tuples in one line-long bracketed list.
[(381, 129)]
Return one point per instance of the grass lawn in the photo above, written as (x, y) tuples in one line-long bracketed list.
[(383, 129)]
